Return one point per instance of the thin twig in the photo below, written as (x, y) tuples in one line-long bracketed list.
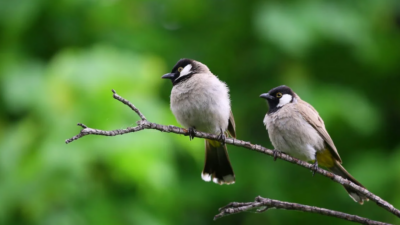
[(144, 124), (126, 102), (263, 204), (87, 131)]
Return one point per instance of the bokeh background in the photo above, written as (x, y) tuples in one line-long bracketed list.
[(59, 61)]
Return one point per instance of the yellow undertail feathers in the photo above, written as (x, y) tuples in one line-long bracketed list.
[(214, 143), (325, 159)]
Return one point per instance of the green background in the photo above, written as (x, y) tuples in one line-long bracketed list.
[(59, 61)]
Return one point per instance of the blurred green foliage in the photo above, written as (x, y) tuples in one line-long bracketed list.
[(59, 61)]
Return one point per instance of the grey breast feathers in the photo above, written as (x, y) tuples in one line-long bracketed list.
[(202, 101)]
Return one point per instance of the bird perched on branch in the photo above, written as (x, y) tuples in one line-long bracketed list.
[(200, 101), (295, 128)]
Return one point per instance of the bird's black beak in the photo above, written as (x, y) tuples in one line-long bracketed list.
[(267, 96), (168, 76)]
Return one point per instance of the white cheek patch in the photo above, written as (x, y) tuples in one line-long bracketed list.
[(186, 70), (285, 99)]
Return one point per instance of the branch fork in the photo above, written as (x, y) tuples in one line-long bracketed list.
[(263, 204)]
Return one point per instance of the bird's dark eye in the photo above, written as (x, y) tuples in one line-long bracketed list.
[(278, 95), (180, 69)]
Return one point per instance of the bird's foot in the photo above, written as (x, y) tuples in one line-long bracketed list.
[(315, 167), (191, 133), (276, 153), (222, 137)]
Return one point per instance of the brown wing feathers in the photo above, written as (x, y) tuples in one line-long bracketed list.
[(313, 118), (232, 126)]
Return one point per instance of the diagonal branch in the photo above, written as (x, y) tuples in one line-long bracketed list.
[(262, 204), (130, 105), (145, 124)]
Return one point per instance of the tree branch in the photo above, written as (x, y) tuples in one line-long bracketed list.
[(144, 124), (262, 204)]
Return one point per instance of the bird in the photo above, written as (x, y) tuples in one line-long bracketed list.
[(201, 102), (295, 128)]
